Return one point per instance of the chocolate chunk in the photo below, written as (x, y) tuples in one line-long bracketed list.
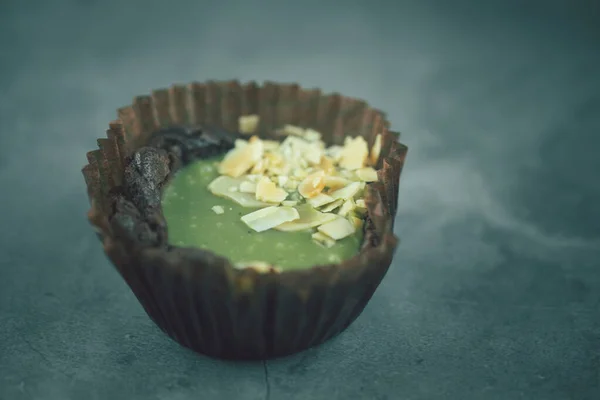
[(129, 225), (189, 143), (137, 214), (145, 175)]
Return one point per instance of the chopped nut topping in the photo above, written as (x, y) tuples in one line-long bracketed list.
[(241, 159), (221, 185), (270, 217), (320, 200), (355, 153), (292, 130), (312, 185), (375, 150), (348, 206), (367, 174), (248, 124), (336, 182), (356, 222), (337, 229), (218, 209), (267, 191), (248, 187), (346, 192), (298, 184), (308, 218), (323, 239), (333, 205)]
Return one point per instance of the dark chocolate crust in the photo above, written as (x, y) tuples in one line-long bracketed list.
[(195, 296), (136, 211)]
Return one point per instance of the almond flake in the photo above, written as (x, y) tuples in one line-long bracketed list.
[(218, 209), (326, 164), (309, 218), (323, 240), (292, 184), (240, 143), (334, 152), (320, 200), (248, 123), (254, 178), (346, 192), (241, 159), (313, 154), (356, 222), (375, 151), (361, 207), (348, 174), (282, 180), (367, 174), (248, 187), (347, 207), (312, 185), (271, 144), (293, 130), (303, 163), (333, 205), (269, 217), (300, 173), (220, 187), (259, 167), (337, 229), (311, 135), (267, 191), (288, 181), (355, 153), (336, 182)]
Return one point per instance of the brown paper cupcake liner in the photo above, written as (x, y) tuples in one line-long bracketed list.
[(198, 298)]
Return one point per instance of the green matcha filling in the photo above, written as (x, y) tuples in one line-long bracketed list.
[(198, 218)]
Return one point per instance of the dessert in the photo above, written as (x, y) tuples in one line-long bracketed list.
[(216, 150), (292, 203)]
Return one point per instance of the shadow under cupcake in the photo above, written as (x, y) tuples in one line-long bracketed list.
[(280, 203)]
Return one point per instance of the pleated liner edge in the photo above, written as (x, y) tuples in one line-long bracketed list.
[(198, 298)]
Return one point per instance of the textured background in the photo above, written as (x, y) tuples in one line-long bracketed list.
[(494, 292)]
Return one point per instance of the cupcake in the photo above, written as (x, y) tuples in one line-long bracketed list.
[(250, 221)]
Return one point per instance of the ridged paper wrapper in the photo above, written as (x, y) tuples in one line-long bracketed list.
[(199, 298)]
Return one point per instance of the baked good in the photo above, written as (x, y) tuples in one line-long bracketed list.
[(261, 304)]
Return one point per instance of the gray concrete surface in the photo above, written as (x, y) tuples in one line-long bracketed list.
[(495, 291)]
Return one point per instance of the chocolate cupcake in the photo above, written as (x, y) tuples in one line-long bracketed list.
[(250, 221)]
